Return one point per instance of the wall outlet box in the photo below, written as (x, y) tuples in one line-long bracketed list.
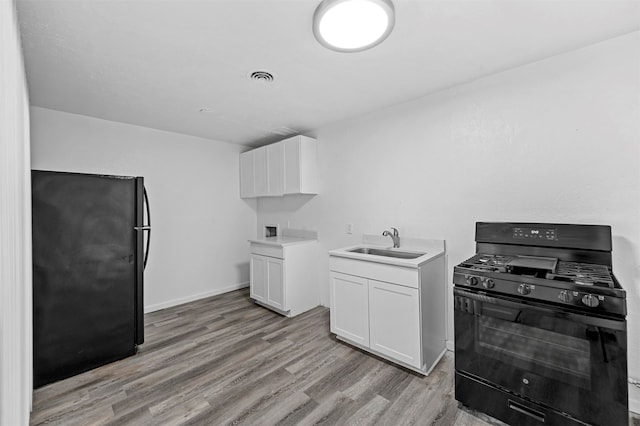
[(349, 228)]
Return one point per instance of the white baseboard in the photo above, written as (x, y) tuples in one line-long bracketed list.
[(449, 344), (191, 298)]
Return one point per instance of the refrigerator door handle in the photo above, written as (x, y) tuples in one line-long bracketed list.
[(146, 227)]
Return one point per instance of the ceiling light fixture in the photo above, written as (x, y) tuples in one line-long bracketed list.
[(353, 25)]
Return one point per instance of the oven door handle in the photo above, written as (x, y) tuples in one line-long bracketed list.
[(517, 304)]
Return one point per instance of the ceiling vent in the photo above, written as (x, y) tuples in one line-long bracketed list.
[(262, 76), (285, 131)]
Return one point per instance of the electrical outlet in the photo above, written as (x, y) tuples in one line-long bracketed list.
[(349, 228)]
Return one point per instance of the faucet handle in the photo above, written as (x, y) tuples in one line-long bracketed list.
[(395, 232)]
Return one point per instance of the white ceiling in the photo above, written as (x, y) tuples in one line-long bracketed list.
[(156, 63)]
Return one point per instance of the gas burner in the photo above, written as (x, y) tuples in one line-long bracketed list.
[(493, 259)]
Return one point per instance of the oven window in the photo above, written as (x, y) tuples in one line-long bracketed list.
[(546, 353)]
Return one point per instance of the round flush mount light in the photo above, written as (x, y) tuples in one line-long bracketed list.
[(353, 25)]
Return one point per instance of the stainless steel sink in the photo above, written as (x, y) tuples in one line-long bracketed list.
[(387, 253)]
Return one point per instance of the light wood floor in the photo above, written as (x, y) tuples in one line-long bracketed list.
[(224, 360)]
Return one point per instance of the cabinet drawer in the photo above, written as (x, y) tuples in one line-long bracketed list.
[(379, 271), (267, 250)]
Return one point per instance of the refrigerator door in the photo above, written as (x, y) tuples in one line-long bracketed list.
[(141, 255), (86, 274)]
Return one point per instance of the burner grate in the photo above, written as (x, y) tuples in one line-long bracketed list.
[(488, 262), (578, 273), (583, 274)]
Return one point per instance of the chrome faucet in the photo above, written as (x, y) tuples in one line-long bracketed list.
[(395, 236)]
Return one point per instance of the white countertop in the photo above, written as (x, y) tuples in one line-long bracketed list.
[(282, 241), (288, 237), (430, 248)]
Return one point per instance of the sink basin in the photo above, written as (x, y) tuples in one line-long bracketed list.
[(387, 253)]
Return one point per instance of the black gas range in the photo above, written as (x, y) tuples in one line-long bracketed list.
[(540, 329)]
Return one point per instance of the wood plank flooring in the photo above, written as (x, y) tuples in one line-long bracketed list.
[(224, 360)]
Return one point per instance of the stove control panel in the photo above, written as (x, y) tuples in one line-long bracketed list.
[(582, 300), (549, 234), (564, 236)]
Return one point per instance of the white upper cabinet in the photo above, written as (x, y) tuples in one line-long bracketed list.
[(286, 167)]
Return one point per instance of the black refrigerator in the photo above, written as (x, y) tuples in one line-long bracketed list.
[(89, 253)]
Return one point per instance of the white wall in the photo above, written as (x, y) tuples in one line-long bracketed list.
[(15, 228), (200, 225), (553, 141)]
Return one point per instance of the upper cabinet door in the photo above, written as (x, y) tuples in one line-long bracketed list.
[(300, 165), (260, 175), (308, 165), (275, 169), (247, 188), (292, 166)]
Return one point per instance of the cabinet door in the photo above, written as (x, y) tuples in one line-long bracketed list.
[(394, 316), (275, 283), (260, 171), (258, 278), (349, 305), (247, 189), (292, 165), (308, 165), (275, 169)]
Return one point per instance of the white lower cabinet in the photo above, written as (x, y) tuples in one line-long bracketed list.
[(402, 321), (284, 278)]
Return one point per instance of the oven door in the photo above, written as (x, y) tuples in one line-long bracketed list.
[(574, 363)]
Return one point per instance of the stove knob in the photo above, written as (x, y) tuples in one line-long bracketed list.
[(488, 283), (590, 300), (524, 289), (472, 281), (565, 296)]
